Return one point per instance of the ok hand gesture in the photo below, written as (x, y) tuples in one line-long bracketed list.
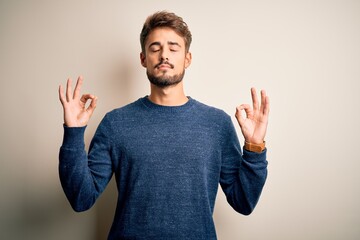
[(254, 126), (75, 112)]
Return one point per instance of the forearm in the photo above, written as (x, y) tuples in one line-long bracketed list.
[(243, 184), (75, 176), (253, 174)]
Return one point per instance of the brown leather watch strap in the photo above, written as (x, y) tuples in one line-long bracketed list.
[(253, 147)]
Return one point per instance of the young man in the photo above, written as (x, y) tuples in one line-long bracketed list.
[(168, 151)]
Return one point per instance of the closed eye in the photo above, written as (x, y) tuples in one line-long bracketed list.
[(154, 47), (174, 46)]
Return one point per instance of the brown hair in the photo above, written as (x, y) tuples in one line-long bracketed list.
[(165, 19)]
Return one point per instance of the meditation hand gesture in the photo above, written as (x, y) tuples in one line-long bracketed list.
[(254, 126), (75, 112)]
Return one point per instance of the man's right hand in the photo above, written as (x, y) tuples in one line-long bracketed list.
[(75, 112)]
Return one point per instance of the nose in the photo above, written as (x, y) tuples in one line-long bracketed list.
[(164, 55)]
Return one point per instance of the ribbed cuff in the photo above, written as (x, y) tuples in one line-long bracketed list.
[(254, 156), (74, 137)]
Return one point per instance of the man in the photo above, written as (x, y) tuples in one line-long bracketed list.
[(168, 151)]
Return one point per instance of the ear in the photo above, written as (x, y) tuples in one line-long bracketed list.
[(188, 58), (143, 59)]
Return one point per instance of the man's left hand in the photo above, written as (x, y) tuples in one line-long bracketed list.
[(254, 126)]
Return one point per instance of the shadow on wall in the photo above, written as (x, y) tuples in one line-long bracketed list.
[(120, 87), (105, 210)]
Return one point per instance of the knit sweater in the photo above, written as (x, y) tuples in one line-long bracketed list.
[(168, 163)]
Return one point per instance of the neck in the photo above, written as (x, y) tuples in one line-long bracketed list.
[(169, 96)]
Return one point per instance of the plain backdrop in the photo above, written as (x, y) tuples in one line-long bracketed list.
[(305, 53)]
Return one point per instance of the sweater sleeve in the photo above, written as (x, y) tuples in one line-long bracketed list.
[(84, 176), (242, 175)]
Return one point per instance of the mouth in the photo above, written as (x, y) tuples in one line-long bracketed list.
[(164, 65)]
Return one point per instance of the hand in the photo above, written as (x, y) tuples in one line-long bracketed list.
[(75, 112), (254, 126)]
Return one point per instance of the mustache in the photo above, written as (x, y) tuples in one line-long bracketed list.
[(165, 63)]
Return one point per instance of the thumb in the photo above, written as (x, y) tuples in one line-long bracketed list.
[(238, 115)]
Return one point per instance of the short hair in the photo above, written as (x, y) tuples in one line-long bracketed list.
[(165, 19)]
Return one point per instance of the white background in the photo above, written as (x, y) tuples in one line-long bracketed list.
[(306, 54)]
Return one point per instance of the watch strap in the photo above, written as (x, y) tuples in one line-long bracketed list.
[(255, 147)]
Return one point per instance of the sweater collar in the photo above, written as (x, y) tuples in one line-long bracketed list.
[(150, 105)]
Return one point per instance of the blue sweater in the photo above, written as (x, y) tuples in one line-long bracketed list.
[(168, 162)]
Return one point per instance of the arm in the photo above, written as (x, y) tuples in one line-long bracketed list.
[(243, 174), (242, 181), (83, 177)]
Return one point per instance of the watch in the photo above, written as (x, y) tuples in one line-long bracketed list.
[(253, 147)]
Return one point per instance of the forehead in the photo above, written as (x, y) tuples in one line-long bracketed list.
[(164, 35)]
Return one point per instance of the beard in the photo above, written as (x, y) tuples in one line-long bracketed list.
[(164, 80)]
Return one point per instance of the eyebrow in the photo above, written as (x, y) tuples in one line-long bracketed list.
[(174, 43), (169, 42)]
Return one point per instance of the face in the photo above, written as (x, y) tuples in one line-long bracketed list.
[(165, 57)]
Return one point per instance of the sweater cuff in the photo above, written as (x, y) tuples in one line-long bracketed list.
[(254, 156), (74, 137)]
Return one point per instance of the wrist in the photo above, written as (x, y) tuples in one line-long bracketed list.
[(254, 147)]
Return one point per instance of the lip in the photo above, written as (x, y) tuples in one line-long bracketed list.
[(164, 66)]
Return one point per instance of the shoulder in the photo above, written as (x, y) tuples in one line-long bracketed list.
[(215, 120), (211, 112), (212, 117), (126, 111)]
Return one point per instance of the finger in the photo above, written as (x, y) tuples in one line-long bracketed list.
[(61, 95), (238, 116), (68, 90), (248, 111), (254, 99), (92, 105), (78, 87), (263, 101), (266, 109), (263, 96), (85, 97)]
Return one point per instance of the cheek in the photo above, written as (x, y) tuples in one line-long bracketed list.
[(182, 64), (152, 60)]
